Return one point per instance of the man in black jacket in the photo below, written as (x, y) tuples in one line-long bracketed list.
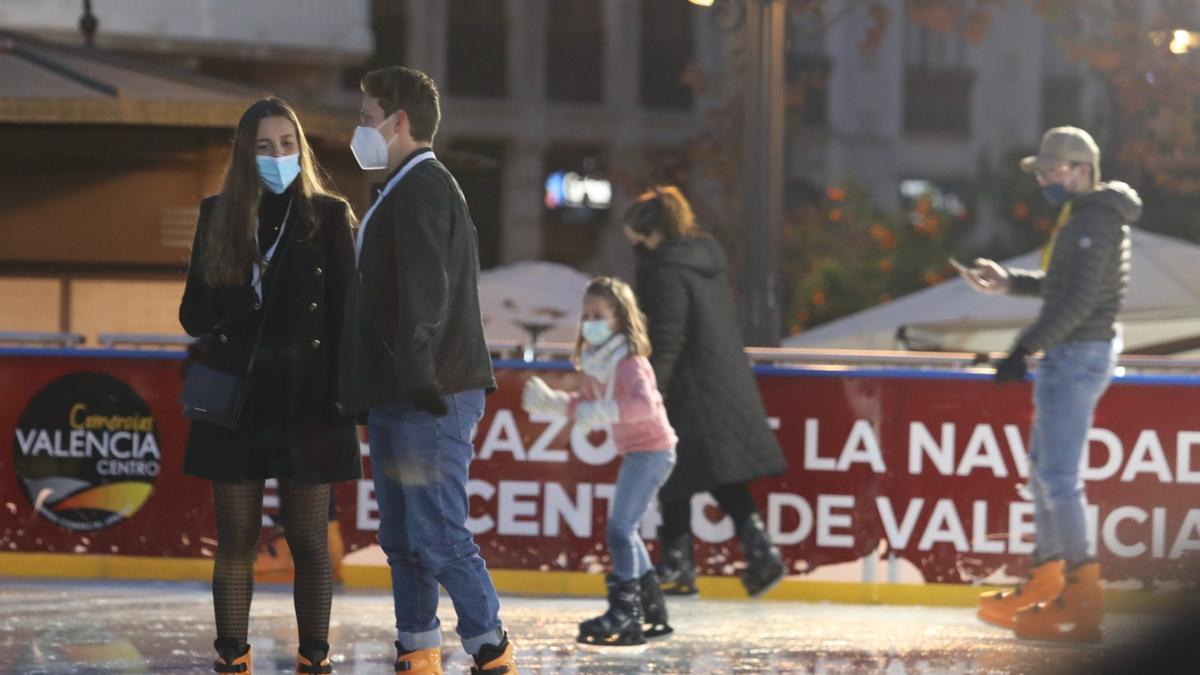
[(1082, 280), (415, 360)]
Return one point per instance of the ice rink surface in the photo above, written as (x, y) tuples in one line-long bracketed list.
[(132, 627)]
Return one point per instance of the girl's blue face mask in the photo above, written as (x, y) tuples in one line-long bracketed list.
[(277, 173), (596, 332)]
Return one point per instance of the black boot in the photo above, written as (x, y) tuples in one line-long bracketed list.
[(312, 658), (233, 656), (621, 625), (676, 571), (654, 607), (764, 564)]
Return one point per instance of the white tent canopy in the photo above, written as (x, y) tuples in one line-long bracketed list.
[(1162, 305), (526, 297)]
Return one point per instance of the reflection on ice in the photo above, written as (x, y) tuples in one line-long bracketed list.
[(67, 627)]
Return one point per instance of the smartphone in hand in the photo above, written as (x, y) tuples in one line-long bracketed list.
[(962, 269)]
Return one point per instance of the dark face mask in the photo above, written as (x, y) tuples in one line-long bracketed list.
[(1056, 195), (640, 250)]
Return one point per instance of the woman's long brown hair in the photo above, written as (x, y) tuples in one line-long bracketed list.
[(229, 247)]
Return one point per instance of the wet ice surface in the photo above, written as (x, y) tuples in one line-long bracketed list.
[(102, 627)]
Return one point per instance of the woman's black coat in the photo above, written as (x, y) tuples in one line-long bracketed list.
[(711, 395), (291, 406)]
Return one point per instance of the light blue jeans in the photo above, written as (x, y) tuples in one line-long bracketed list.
[(1069, 383), (420, 467), (638, 481)]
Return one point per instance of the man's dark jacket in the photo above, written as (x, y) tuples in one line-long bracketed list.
[(1084, 284), (412, 316)]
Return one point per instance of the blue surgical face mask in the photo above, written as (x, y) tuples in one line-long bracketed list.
[(277, 173), (596, 332), (1056, 194)]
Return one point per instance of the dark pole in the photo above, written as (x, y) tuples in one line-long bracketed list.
[(88, 23), (762, 191)]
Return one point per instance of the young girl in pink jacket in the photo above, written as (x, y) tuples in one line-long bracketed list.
[(620, 395)]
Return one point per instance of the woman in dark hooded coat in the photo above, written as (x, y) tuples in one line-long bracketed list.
[(710, 391)]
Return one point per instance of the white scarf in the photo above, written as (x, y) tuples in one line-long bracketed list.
[(601, 362)]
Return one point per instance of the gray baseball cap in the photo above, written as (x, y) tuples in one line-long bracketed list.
[(1064, 144)]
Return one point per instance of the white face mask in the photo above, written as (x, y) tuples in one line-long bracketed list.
[(596, 332), (369, 148)]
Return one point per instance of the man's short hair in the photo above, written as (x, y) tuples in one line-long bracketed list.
[(400, 88)]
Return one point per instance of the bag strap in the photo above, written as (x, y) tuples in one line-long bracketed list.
[(266, 305)]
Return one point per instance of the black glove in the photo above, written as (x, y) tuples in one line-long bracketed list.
[(430, 401), (1012, 368)]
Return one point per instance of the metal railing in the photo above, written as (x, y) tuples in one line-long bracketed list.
[(863, 358), (44, 340), (143, 341), (561, 351)]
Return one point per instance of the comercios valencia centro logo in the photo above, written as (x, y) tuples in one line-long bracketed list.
[(86, 451)]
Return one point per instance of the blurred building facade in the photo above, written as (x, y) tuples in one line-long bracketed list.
[(550, 107), (925, 112), (110, 149), (555, 113)]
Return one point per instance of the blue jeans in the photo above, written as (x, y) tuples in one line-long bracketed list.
[(1069, 383), (420, 466), (638, 480)]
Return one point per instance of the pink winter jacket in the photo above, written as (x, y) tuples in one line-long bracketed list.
[(643, 426)]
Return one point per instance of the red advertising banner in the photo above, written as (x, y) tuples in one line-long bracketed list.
[(925, 466)]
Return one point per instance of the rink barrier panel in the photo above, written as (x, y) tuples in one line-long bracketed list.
[(153, 375), (555, 584)]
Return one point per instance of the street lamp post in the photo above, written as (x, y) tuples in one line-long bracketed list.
[(762, 191), (762, 25)]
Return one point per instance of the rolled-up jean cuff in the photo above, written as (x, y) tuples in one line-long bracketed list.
[(424, 640), (474, 644)]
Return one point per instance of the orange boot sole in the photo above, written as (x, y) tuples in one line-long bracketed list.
[(1074, 616), (1000, 608), (420, 662)]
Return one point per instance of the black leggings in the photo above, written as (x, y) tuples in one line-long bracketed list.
[(733, 498), (304, 515)]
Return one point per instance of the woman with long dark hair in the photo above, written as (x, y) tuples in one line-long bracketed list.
[(273, 253), (709, 389)]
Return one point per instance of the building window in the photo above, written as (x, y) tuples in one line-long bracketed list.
[(938, 102), (668, 48), (389, 25), (808, 89), (1062, 86), (478, 48), (938, 82), (1061, 95), (576, 200), (478, 166), (575, 51)]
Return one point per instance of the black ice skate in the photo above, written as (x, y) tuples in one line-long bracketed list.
[(621, 625), (654, 607), (764, 564), (676, 571)]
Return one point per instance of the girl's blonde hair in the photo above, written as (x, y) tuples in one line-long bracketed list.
[(630, 321)]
